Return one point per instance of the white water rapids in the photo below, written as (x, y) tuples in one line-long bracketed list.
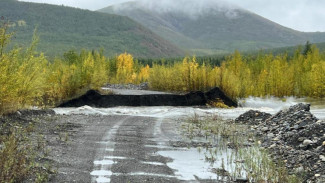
[(269, 105)]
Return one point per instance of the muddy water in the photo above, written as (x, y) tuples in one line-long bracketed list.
[(188, 164)]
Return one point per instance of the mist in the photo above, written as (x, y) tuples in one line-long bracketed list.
[(191, 8), (303, 15)]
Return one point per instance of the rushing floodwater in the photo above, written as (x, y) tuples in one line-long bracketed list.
[(270, 105)]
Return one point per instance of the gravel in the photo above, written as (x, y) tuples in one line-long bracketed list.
[(294, 136)]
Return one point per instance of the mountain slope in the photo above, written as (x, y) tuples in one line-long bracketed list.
[(62, 28), (210, 25)]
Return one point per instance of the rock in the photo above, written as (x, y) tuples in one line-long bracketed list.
[(276, 139), (264, 129), (322, 158), (307, 142), (300, 139), (252, 117), (299, 170), (273, 146), (317, 175), (270, 135), (323, 143)]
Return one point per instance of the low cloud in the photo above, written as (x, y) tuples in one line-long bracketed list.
[(303, 15), (192, 8)]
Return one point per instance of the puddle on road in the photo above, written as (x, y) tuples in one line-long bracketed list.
[(103, 176), (103, 162), (191, 164), (152, 163)]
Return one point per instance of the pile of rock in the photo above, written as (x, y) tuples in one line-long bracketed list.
[(141, 86), (252, 117), (295, 136)]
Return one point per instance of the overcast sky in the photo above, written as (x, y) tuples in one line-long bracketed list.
[(302, 15)]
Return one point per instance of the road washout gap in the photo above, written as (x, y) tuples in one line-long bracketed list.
[(198, 98)]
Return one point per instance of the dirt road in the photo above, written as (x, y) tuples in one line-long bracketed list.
[(118, 148)]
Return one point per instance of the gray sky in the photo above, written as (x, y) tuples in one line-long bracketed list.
[(302, 15)]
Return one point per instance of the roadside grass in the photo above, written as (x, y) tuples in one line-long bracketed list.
[(245, 156), (23, 154)]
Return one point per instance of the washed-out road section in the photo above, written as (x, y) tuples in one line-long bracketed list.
[(123, 148), (137, 144)]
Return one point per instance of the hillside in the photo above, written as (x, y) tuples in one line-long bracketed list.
[(211, 27), (62, 28), (290, 50)]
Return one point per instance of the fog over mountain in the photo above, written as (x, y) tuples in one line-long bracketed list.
[(191, 8), (210, 26), (302, 15)]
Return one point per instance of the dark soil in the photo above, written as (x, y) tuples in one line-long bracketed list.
[(198, 98)]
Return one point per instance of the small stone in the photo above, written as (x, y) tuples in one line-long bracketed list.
[(264, 129), (300, 139), (276, 139), (307, 142), (270, 135), (317, 175), (272, 146), (299, 169), (323, 143), (322, 158)]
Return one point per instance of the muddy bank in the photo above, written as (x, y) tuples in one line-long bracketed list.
[(95, 99), (293, 136)]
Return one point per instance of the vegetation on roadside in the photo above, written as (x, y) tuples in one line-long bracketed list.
[(18, 155), (28, 79), (244, 156)]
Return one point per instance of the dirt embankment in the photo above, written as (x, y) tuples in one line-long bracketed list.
[(198, 98), (294, 136)]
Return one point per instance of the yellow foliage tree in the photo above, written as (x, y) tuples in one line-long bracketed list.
[(124, 66)]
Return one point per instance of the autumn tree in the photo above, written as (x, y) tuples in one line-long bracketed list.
[(124, 65)]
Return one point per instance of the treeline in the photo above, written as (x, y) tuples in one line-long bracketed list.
[(29, 79), (302, 75)]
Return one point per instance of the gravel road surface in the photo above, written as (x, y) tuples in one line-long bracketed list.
[(120, 148)]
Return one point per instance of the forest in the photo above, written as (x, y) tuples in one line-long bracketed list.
[(28, 78)]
